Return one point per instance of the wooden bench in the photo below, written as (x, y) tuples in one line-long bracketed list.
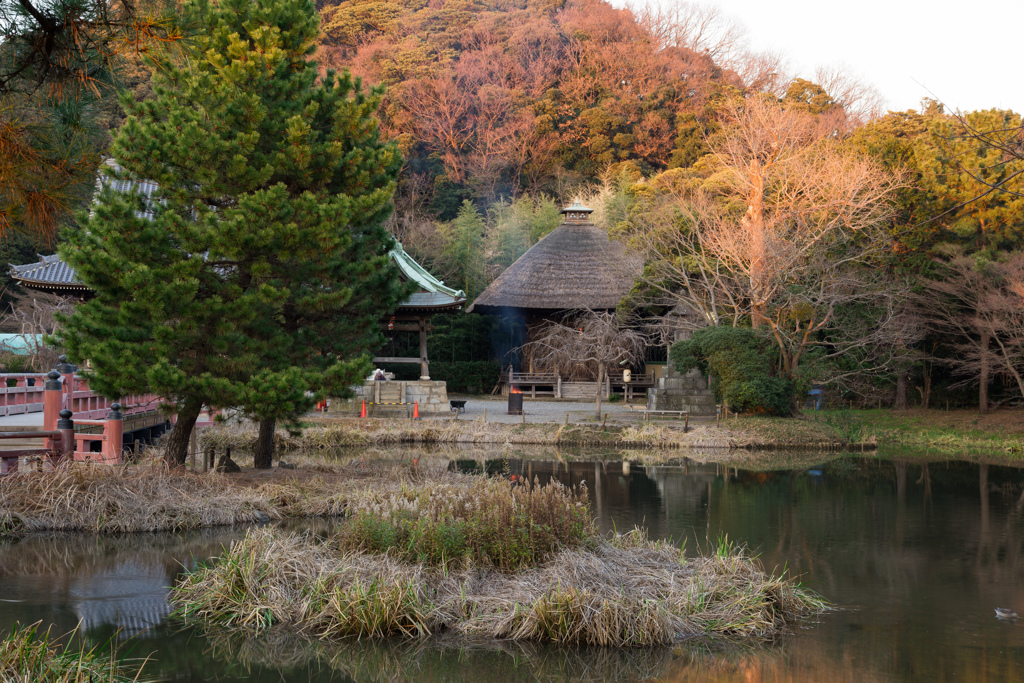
[(679, 414)]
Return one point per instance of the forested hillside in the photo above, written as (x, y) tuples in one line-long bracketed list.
[(496, 98), (870, 250)]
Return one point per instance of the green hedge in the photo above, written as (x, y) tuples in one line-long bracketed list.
[(463, 377), (467, 377)]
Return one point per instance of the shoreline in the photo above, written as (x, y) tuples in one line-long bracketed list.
[(945, 434)]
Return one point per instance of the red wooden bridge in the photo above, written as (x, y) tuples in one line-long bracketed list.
[(77, 424)]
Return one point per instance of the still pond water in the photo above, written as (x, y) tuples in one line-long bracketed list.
[(915, 556)]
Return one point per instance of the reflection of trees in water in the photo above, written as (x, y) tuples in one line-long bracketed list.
[(446, 659), (921, 552)]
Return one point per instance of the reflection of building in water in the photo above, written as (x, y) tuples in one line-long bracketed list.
[(103, 583), (130, 596)]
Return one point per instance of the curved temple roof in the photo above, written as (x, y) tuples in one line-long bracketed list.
[(435, 294), (51, 274)]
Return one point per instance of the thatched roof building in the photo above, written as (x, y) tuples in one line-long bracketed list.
[(576, 266)]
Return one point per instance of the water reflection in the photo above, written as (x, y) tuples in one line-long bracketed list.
[(917, 554)]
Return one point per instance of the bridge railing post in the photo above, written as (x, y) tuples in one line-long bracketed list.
[(114, 433), (68, 371), (66, 427), (52, 395)]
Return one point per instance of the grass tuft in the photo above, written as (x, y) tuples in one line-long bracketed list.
[(486, 522), (27, 654)]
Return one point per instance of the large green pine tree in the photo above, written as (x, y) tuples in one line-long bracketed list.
[(257, 273)]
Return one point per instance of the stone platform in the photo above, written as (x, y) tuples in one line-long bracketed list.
[(687, 392), (431, 395)]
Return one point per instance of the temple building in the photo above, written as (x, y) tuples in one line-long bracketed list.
[(51, 274), (576, 267)]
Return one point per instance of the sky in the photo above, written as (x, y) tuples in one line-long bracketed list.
[(968, 55)]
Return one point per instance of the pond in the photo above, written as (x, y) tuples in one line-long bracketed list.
[(915, 556)]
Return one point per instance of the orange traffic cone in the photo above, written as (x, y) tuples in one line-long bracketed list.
[(363, 413), (416, 410)]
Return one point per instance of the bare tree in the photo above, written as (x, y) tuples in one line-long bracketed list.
[(707, 30), (785, 229), (701, 28), (32, 316), (980, 306), (682, 263), (589, 337), (860, 100)]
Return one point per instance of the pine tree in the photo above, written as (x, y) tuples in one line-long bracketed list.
[(257, 273)]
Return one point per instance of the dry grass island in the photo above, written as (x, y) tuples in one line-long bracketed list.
[(418, 550), (482, 558)]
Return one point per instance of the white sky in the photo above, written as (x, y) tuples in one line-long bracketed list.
[(969, 55)]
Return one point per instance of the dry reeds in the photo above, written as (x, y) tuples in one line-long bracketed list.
[(104, 499), (470, 520), (627, 591), (28, 655), (110, 500)]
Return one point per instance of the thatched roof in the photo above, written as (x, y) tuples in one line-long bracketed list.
[(575, 266)]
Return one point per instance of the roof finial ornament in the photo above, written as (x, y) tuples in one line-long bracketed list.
[(577, 213)]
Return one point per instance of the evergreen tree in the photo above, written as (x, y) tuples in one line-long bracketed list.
[(258, 271), (464, 250)]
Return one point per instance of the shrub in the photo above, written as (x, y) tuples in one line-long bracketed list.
[(742, 363)]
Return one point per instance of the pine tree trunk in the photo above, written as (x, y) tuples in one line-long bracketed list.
[(178, 440), (263, 453), (600, 388), (901, 402), (983, 374)]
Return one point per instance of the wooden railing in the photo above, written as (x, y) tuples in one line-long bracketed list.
[(62, 397), (22, 393), (60, 442), (530, 381)]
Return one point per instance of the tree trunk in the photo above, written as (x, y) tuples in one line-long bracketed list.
[(983, 374), (926, 393), (901, 402), (263, 453), (600, 388), (753, 221), (178, 440)]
